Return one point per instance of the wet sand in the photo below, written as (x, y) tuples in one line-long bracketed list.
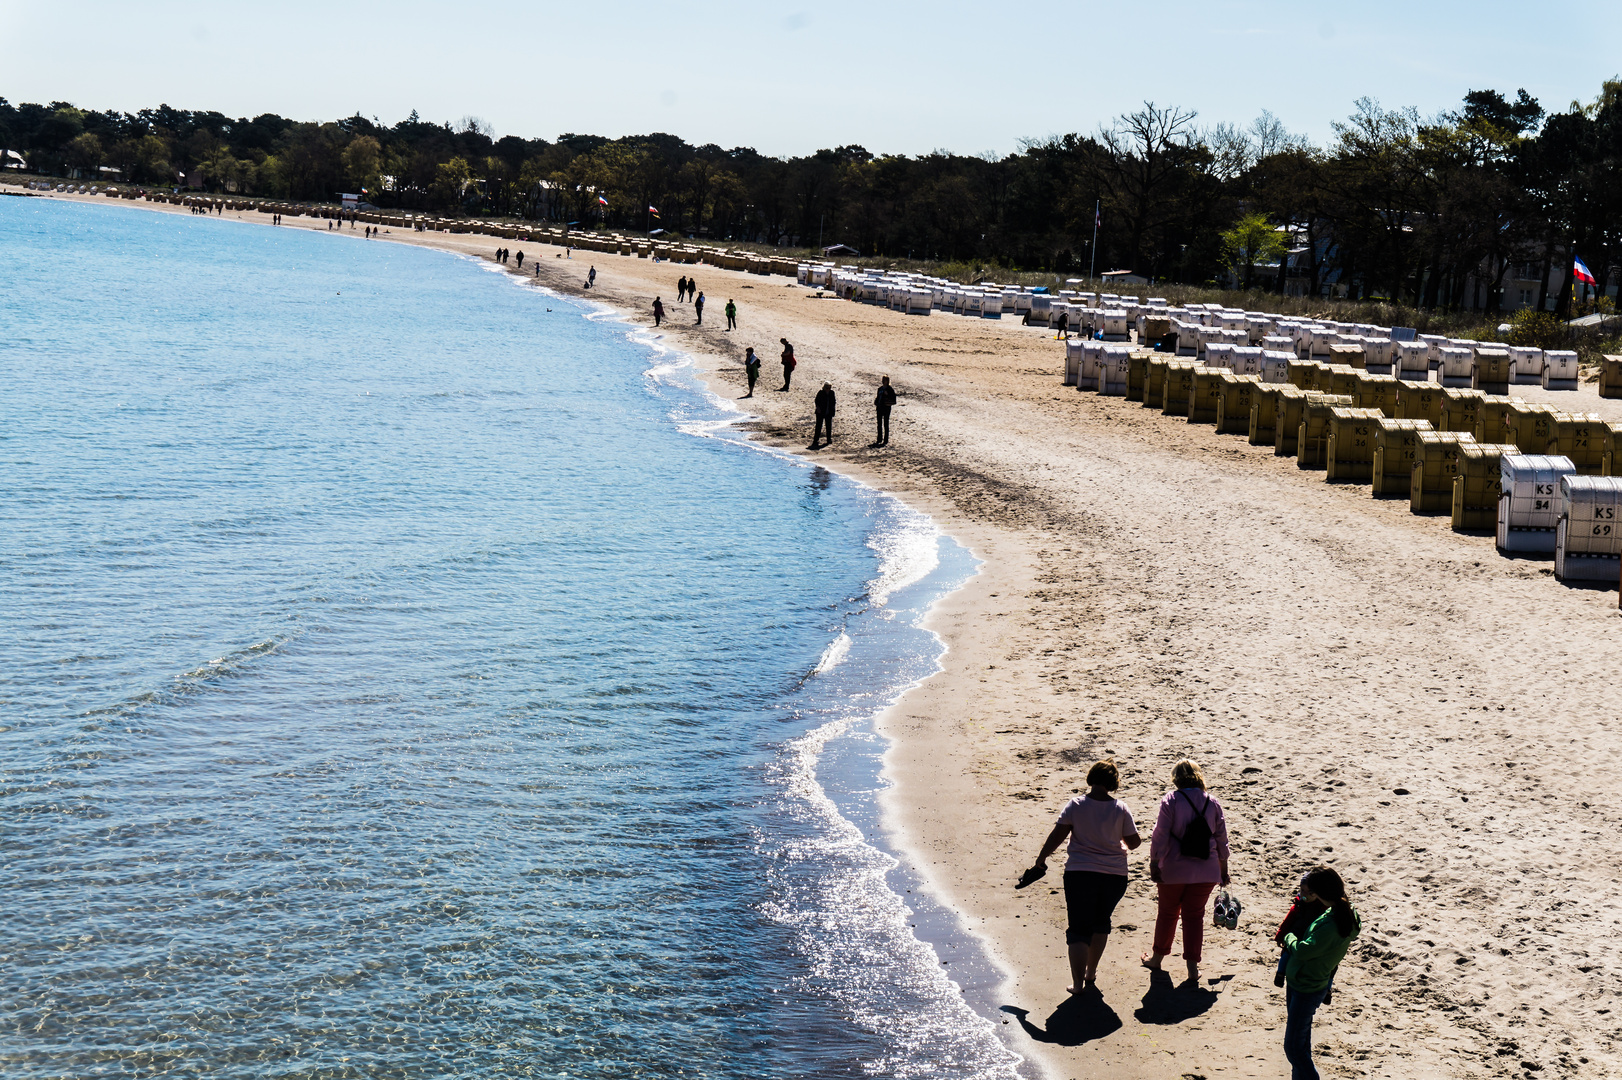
[(1152, 590)]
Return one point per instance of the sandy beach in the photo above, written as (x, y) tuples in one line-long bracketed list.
[(1152, 590)]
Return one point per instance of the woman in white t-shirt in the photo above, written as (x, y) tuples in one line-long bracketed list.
[(1101, 832)]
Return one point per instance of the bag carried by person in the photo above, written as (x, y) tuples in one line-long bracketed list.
[(1195, 843), (1225, 912)]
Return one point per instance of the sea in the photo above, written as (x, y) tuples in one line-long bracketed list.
[(406, 671)]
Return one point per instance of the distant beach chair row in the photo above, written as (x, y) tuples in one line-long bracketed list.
[(1541, 479)]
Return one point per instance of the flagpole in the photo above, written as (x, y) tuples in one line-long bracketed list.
[(1093, 265)]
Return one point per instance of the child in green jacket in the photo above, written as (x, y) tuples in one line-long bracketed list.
[(1314, 956)]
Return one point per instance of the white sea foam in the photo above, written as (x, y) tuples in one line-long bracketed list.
[(908, 552), (836, 651)]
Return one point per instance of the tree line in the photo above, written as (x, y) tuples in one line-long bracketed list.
[(1440, 212)]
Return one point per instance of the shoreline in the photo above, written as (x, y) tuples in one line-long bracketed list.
[(1149, 589), (941, 927)]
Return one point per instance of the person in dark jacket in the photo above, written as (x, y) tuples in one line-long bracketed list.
[(751, 369), (698, 309), (658, 311), (681, 288), (1063, 325), (789, 364), (825, 414), (732, 315), (883, 402)]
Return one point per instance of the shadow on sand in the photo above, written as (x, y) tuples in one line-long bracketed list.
[(1079, 1020), (1166, 1002)]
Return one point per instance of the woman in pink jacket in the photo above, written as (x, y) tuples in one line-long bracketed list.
[(1188, 856)]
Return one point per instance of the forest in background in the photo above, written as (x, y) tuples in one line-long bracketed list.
[(1437, 213)]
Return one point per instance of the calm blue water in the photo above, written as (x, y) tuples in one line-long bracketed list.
[(404, 672)]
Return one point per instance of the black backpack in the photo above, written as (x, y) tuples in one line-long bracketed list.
[(1195, 843)]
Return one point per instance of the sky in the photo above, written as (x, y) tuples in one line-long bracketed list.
[(791, 78)]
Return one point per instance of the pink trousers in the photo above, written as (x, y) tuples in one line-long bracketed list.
[(1189, 902)]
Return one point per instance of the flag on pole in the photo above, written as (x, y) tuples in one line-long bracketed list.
[(1098, 217), (654, 210), (1581, 272), (602, 200)]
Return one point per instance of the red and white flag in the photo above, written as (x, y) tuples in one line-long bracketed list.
[(602, 200), (654, 210), (1580, 271)]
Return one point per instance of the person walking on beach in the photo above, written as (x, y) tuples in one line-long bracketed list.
[(1101, 832), (520, 260), (658, 311), (591, 278), (883, 402), (789, 364), (1188, 856), (1314, 956), (1062, 326), (681, 288), (825, 415), (751, 369), (698, 308), (732, 315)]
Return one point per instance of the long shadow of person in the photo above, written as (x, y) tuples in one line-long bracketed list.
[(1082, 1019), (1167, 1003)]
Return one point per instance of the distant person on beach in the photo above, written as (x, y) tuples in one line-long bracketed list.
[(1062, 326), (1101, 832), (751, 369), (1314, 956), (1188, 856), (789, 364), (883, 402), (698, 308), (520, 260), (681, 289), (591, 278), (825, 415), (732, 315), (658, 311)]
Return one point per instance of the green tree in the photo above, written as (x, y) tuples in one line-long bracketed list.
[(451, 180), (363, 159), (85, 153), (1253, 239)]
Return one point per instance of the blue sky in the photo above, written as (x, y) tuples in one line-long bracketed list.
[(790, 78)]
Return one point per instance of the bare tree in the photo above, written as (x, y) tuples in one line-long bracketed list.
[(1268, 136), (1232, 151), (1143, 156)]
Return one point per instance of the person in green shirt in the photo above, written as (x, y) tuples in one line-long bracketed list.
[(732, 315), (1314, 956)]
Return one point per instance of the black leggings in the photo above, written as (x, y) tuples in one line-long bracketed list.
[(1089, 901)]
